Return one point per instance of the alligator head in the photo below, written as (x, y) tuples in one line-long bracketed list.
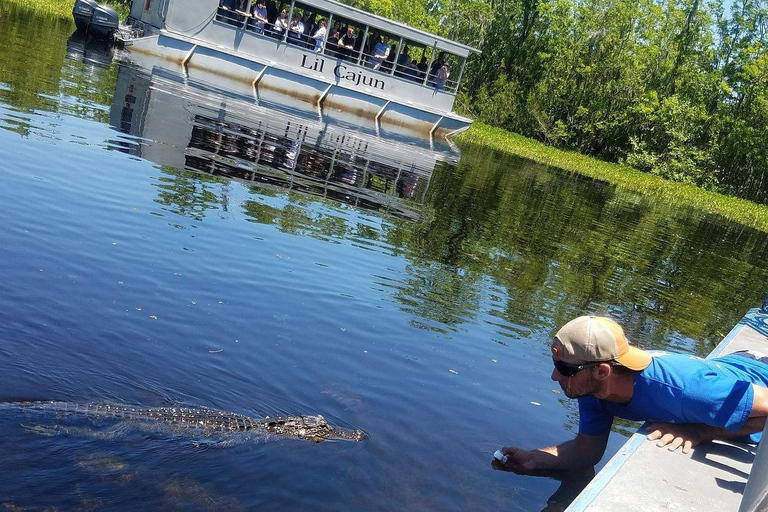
[(310, 428)]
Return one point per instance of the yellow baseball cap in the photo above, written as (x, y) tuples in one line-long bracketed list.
[(597, 338)]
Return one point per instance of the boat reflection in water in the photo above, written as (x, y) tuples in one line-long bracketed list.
[(196, 126)]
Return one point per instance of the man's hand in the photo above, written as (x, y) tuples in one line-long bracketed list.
[(518, 460), (673, 435)]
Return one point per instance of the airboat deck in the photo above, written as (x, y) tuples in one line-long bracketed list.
[(644, 478), (213, 38)]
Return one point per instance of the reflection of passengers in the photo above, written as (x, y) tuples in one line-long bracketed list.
[(295, 29), (347, 44), (259, 16), (319, 35), (379, 54)]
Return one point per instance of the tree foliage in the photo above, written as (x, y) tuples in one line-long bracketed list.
[(677, 88)]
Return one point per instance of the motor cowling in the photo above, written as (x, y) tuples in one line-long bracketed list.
[(100, 21)]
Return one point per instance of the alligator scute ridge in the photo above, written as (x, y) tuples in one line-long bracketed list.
[(311, 428)]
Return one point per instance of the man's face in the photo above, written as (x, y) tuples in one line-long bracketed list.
[(581, 384)]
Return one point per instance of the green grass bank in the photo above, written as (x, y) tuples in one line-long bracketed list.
[(732, 208), (63, 8)]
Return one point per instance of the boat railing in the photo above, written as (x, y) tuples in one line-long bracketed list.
[(404, 59)]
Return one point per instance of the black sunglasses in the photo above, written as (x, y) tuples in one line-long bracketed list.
[(569, 370)]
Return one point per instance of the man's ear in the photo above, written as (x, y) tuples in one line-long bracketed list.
[(602, 371)]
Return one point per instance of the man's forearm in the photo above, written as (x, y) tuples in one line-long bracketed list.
[(707, 433)]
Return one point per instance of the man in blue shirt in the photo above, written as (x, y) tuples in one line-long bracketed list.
[(686, 399)]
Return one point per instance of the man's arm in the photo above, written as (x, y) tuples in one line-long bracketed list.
[(673, 436), (580, 452)]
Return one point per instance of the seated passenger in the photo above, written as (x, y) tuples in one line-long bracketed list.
[(412, 71), (295, 29), (319, 36), (347, 44), (422, 68), (402, 63), (379, 54), (258, 17)]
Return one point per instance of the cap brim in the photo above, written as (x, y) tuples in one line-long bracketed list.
[(635, 359)]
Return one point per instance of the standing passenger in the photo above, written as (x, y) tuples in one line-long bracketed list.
[(281, 24), (347, 44), (333, 40), (259, 15), (295, 29), (441, 76), (319, 36), (380, 53)]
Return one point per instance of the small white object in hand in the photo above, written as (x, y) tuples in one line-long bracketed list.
[(500, 456)]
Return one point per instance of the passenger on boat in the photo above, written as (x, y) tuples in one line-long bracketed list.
[(333, 40), (386, 66), (227, 12), (412, 71), (347, 44), (295, 29), (281, 24), (687, 399), (438, 62), (259, 17), (379, 54), (441, 76), (423, 68), (403, 61), (319, 36), (309, 28)]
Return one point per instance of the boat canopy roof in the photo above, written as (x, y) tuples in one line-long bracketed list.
[(390, 27)]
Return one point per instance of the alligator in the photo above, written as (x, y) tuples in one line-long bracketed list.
[(202, 419)]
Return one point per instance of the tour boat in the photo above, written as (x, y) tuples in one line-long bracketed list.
[(406, 83)]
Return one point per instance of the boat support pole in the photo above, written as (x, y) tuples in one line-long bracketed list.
[(382, 109), (257, 80), (186, 60), (432, 131), (456, 132), (322, 99)]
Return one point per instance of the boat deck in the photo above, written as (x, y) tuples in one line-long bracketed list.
[(643, 477)]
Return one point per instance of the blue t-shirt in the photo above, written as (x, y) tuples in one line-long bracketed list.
[(678, 388)]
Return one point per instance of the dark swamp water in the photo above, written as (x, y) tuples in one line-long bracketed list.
[(166, 243)]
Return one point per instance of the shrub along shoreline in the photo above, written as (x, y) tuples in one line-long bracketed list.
[(622, 176)]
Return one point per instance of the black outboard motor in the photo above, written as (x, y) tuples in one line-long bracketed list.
[(99, 21), (82, 12), (104, 22)]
